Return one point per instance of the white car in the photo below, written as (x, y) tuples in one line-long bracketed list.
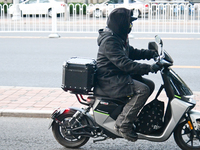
[(39, 7), (106, 7)]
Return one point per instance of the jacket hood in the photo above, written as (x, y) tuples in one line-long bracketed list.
[(119, 22), (103, 33)]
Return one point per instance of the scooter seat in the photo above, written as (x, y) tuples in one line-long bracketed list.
[(99, 92)]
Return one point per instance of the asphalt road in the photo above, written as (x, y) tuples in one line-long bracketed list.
[(34, 60), (33, 134)]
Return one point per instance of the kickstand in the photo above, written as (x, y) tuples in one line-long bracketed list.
[(105, 138)]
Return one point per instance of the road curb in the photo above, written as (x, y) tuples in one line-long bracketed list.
[(25, 113)]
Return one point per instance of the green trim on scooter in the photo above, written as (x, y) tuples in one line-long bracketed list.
[(101, 113)]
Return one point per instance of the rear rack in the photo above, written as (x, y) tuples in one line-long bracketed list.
[(80, 97)]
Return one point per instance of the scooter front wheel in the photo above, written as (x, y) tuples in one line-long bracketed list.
[(185, 138), (62, 134)]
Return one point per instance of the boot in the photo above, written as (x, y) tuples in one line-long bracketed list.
[(130, 135)]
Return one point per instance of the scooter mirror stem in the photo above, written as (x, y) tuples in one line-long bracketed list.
[(159, 40), (161, 43)]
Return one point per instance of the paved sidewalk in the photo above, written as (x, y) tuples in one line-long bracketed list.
[(41, 102)]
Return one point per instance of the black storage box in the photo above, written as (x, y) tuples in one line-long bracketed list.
[(78, 75)]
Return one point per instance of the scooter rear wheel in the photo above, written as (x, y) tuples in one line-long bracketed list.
[(185, 137), (61, 132)]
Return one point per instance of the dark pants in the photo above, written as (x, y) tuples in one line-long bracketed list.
[(143, 89)]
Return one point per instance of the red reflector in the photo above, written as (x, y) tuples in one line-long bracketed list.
[(66, 110), (88, 100)]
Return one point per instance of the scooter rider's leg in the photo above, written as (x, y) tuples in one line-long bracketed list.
[(150, 84), (124, 122)]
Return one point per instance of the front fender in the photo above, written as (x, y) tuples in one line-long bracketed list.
[(195, 116)]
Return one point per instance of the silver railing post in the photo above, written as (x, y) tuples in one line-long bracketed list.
[(54, 23), (16, 14)]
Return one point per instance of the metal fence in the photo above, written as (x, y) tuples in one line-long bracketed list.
[(162, 18)]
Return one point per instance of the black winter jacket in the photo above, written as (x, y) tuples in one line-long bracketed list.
[(115, 61)]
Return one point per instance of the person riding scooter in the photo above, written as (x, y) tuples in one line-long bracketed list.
[(118, 74)]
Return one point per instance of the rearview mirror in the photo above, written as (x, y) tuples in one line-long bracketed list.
[(158, 40), (153, 46)]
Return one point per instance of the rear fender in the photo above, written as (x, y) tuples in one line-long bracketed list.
[(56, 115), (59, 112), (195, 116)]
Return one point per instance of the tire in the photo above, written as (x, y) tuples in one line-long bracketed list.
[(61, 136), (97, 13), (22, 15), (185, 138), (139, 13), (50, 12)]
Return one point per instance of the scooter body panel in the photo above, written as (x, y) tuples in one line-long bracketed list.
[(103, 109), (195, 116), (178, 109)]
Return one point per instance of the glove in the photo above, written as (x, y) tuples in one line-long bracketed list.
[(155, 54), (152, 54), (154, 68)]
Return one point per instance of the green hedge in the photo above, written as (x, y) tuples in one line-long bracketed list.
[(77, 8), (5, 8)]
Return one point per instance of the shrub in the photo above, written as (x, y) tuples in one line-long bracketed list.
[(5, 7), (77, 8)]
